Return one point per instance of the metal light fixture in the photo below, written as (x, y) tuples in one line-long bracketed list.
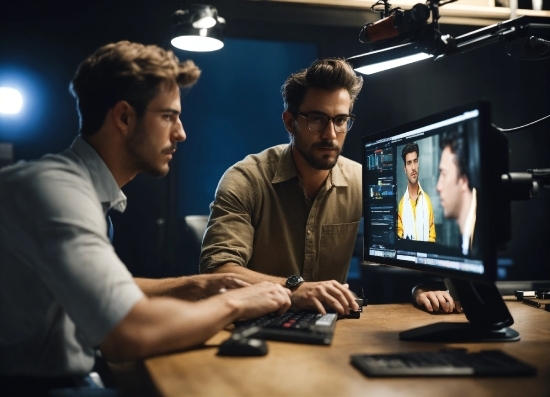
[(198, 28), (390, 58), (403, 37)]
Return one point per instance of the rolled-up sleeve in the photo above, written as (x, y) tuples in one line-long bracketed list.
[(229, 235)]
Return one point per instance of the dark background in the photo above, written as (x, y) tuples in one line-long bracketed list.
[(236, 106)]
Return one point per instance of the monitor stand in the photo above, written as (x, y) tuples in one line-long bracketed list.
[(487, 313)]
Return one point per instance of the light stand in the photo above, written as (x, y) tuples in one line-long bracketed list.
[(509, 31), (402, 37)]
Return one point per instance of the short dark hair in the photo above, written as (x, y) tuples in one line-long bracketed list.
[(328, 74), (410, 148), (456, 142), (125, 71)]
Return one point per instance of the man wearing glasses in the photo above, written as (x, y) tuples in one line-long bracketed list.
[(290, 214)]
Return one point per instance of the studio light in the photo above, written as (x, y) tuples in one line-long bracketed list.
[(198, 28), (390, 58), (11, 100), (402, 37)]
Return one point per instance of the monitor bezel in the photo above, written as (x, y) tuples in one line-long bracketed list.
[(490, 176)]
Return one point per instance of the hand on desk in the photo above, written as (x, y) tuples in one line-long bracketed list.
[(314, 294), (435, 301)]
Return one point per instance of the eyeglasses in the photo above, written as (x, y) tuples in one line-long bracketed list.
[(317, 122)]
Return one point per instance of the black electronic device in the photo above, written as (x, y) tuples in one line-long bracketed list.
[(299, 326), (243, 344), (242, 347), (451, 362), (361, 301), (471, 213)]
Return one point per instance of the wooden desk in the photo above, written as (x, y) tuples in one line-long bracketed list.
[(308, 370)]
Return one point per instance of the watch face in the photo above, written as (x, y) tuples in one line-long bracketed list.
[(294, 281)]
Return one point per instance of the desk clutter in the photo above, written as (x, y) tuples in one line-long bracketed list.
[(539, 299)]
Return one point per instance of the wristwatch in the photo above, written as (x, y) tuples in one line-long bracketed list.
[(294, 281)]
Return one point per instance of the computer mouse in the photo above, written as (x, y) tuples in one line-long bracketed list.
[(238, 345)]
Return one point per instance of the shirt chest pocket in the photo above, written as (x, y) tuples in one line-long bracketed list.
[(335, 250)]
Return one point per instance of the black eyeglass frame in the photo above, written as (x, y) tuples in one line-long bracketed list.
[(349, 123)]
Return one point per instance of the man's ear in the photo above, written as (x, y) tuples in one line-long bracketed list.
[(124, 117), (464, 183), (288, 120)]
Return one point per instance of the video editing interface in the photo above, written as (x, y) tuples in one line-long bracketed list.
[(385, 183)]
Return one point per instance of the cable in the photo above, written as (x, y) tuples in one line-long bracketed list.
[(387, 11), (528, 49), (447, 2), (521, 127), (526, 55)]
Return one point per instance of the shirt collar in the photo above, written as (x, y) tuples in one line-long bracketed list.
[(108, 192), (420, 190), (287, 170)]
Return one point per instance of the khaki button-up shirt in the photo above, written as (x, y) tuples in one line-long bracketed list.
[(261, 219)]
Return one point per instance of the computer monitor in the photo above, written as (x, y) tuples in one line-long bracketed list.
[(453, 218)]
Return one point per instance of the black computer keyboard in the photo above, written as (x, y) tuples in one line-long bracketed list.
[(453, 362), (303, 326)]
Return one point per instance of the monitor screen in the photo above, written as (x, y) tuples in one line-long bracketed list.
[(433, 201), (428, 186)]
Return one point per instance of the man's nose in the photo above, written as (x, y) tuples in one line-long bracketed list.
[(329, 132), (179, 134)]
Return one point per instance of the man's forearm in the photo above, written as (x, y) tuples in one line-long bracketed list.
[(160, 325), (248, 275), (174, 287)]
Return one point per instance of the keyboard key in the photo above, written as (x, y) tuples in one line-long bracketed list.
[(326, 320)]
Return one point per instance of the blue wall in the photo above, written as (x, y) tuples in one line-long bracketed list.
[(41, 70), (234, 110)]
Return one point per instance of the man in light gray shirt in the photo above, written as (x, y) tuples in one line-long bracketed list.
[(63, 290)]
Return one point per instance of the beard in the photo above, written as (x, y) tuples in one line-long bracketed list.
[(159, 172), (324, 162), (144, 157)]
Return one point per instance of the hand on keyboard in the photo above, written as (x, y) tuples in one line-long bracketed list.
[(259, 299), (332, 293)]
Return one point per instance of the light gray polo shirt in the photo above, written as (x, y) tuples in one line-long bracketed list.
[(62, 286)]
